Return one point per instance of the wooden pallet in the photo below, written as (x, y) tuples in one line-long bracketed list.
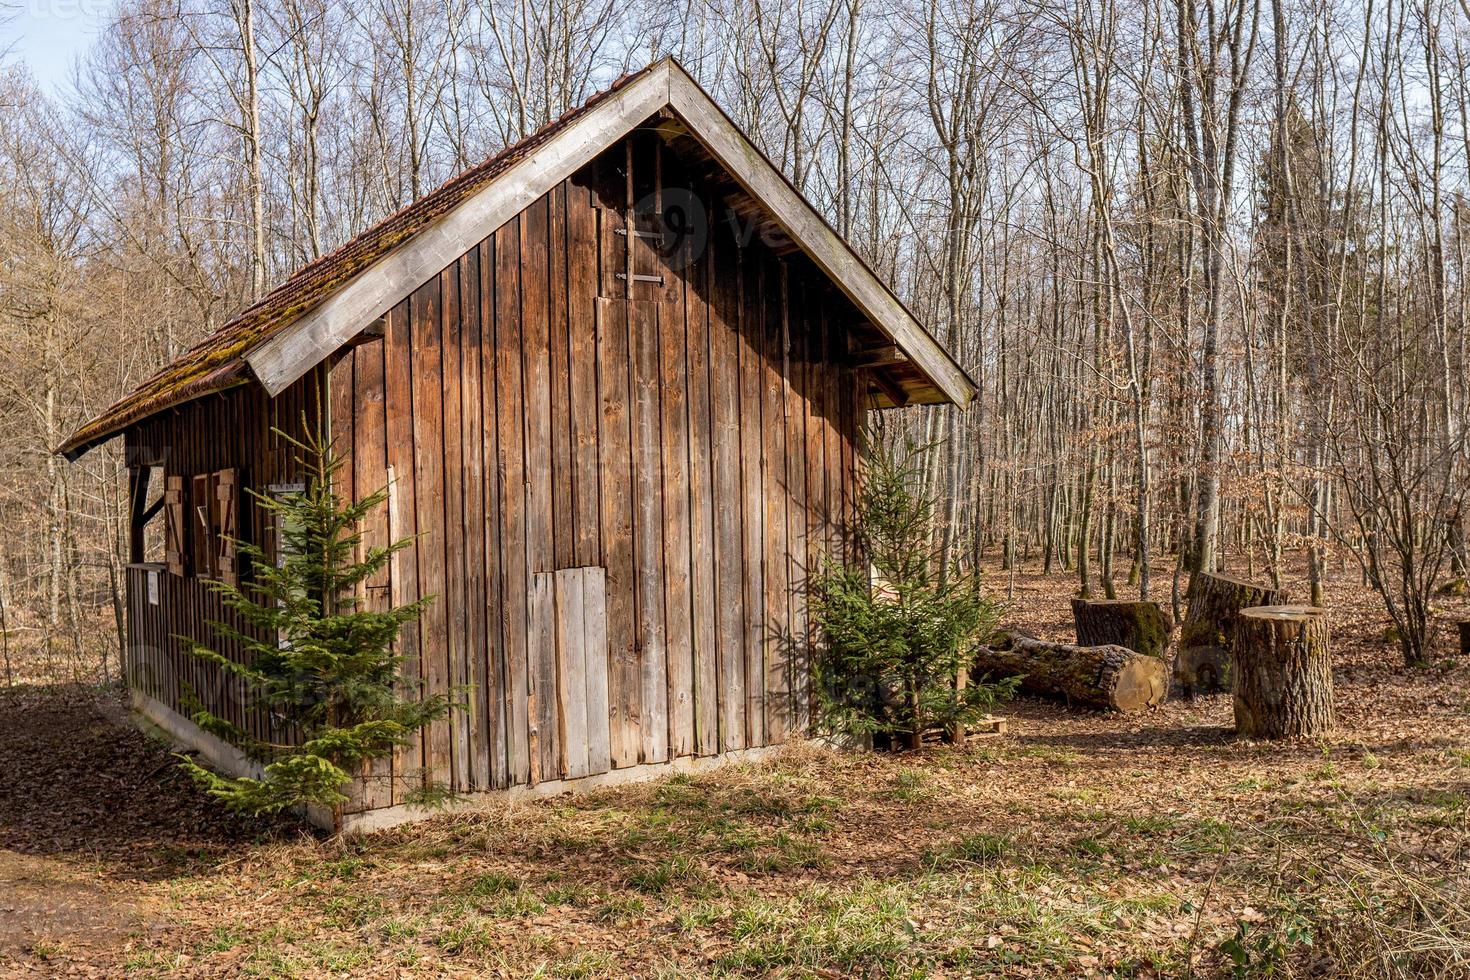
[(989, 725)]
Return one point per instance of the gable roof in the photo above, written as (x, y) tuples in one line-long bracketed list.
[(328, 301)]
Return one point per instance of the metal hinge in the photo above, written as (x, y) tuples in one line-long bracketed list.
[(641, 278)]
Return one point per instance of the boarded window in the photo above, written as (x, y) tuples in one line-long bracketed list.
[(214, 525), (202, 505), (174, 525), (227, 530)]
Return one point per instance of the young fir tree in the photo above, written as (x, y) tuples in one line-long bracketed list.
[(320, 664), (899, 629)]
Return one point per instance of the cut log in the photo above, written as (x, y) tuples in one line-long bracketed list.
[(1110, 677), (1142, 627), (1465, 637), (1202, 664), (1283, 672)]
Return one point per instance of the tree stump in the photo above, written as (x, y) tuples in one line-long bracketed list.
[(1142, 627), (1202, 663), (1283, 672), (1465, 637), (1110, 677)]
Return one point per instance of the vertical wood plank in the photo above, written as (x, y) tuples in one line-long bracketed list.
[(778, 599), (833, 374), (648, 548), (537, 401), (702, 506), (752, 512), (674, 453), (594, 621), (497, 661), (816, 470), (582, 249), (472, 454), (428, 434), (562, 486), (342, 430), (542, 650), (571, 672), (370, 463), (511, 487), (616, 471), (455, 556), (408, 761), (796, 557), (725, 433)]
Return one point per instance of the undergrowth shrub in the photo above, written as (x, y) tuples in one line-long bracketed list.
[(320, 664), (899, 623)]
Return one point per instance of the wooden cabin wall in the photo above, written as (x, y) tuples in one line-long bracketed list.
[(685, 448), (232, 429)]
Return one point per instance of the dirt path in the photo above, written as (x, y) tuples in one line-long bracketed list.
[(91, 813), (50, 909)]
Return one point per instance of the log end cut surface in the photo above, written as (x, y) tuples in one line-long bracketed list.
[(1142, 683)]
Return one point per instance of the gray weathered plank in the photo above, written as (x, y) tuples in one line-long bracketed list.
[(571, 674), (594, 625), (541, 642)]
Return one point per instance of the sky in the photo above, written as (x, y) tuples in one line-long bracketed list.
[(49, 35)]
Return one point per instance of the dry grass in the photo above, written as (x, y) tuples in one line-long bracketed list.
[(1078, 845)]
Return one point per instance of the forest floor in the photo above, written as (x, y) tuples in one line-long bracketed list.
[(1078, 844)]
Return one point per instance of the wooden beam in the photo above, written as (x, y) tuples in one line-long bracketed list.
[(891, 388), (886, 356)]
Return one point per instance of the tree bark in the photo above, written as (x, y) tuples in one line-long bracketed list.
[(1142, 627), (1108, 677), (1282, 680), (1202, 664)]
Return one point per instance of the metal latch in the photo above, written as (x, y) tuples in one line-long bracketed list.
[(641, 278)]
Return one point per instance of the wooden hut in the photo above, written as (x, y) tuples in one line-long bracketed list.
[(614, 378)]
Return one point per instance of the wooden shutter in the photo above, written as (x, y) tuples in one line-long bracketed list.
[(173, 524), (227, 528), (201, 525)]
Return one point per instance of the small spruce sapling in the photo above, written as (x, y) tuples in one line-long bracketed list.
[(319, 662), (899, 629)]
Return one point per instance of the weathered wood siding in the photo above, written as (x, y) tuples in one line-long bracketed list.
[(232, 429), (691, 439), (648, 469)]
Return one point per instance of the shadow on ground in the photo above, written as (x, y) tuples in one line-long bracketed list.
[(78, 783)]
